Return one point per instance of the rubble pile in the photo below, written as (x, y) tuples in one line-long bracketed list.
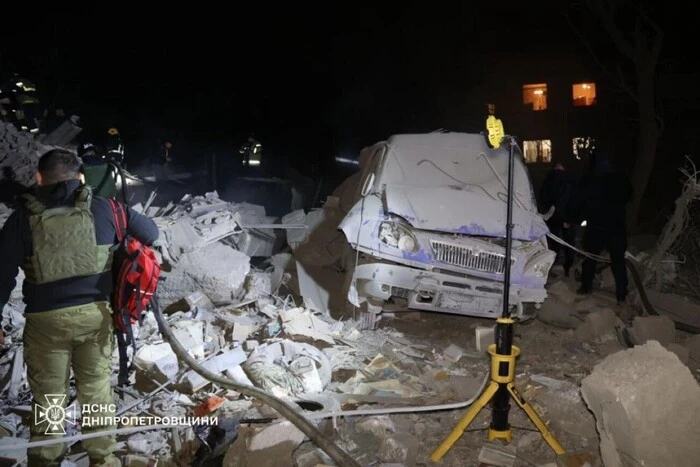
[(260, 315), (19, 154), (245, 323), (206, 245)]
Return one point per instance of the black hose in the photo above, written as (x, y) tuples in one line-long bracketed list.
[(288, 411), (647, 304)]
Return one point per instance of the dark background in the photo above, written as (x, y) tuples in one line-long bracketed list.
[(312, 82)]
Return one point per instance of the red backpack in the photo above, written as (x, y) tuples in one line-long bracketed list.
[(136, 272)]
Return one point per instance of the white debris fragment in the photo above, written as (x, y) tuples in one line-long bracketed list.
[(218, 364), (190, 333), (158, 358), (453, 353), (243, 327), (301, 322), (237, 374)]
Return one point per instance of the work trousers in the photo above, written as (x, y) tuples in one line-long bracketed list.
[(54, 341), (613, 240), (556, 227)]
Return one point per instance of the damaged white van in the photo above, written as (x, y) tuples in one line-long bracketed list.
[(429, 224)]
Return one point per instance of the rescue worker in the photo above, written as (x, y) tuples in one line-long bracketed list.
[(27, 105), (115, 148), (251, 152), (62, 238), (600, 199), (100, 174), (556, 192)]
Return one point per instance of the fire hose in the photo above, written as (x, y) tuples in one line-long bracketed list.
[(284, 408)]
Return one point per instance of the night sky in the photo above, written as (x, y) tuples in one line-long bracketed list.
[(309, 81)]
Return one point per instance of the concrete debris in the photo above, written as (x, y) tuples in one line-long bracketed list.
[(676, 307), (316, 297), (399, 448), (646, 404), (658, 328), (301, 322), (147, 443), (380, 427), (190, 333), (598, 325), (199, 221), (309, 455), (158, 360), (200, 301), (498, 456), (556, 312), (311, 221), (19, 155), (563, 290), (270, 446), (217, 270), (453, 353), (526, 440), (193, 382), (683, 353), (237, 374)]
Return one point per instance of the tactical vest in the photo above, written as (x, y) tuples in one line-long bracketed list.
[(63, 241)]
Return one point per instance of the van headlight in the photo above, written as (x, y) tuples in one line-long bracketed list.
[(540, 264), (396, 233)]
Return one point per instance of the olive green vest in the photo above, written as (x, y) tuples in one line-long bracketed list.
[(63, 241)]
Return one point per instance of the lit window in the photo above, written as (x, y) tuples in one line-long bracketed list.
[(538, 151), (583, 94), (583, 146), (535, 96)]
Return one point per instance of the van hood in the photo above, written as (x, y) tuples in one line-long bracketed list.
[(461, 210)]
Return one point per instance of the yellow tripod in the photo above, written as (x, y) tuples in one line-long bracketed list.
[(500, 389)]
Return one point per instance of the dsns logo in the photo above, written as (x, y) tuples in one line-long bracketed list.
[(54, 415)]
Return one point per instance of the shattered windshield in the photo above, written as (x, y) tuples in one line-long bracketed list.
[(459, 161)]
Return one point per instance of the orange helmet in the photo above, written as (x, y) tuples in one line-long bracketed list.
[(113, 131)]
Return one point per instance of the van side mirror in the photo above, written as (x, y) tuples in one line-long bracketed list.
[(367, 185)]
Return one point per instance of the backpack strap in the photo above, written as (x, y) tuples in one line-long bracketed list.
[(83, 198), (119, 218), (108, 174), (35, 206)]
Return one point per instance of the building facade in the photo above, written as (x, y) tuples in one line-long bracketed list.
[(556, 107)]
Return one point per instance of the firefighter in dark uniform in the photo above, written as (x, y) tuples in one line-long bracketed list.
[(115, 147), (600, 199), (556, 192)]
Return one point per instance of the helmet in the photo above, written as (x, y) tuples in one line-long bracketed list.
[(86, 148), (113, 131)]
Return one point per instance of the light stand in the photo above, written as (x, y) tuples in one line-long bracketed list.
[(503, 355)]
